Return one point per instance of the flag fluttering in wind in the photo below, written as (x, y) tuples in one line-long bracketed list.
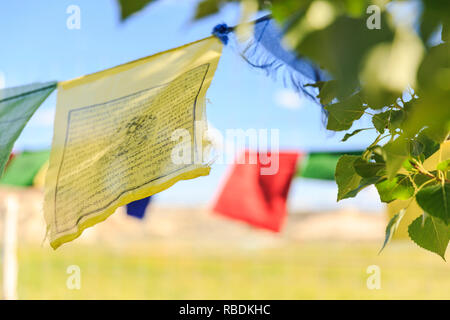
[(126, 133), (259, 200), (321, 165), (262, 47), (24, 167), (17, 106)]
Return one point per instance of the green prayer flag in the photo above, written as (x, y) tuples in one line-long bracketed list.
[(17, 105), (321, 165), (24, 167)]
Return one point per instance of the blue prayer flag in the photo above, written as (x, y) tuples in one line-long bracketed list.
[(137, 208)]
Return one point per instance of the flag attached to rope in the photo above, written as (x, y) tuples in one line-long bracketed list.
[(138, 208), (260, 44), (257, 199), (126, 133), (24, 167), (17, 105), (321, 165)]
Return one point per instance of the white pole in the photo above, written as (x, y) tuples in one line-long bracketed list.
[(10, 248)]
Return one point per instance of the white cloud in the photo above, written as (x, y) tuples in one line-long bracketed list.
[(288, 99)]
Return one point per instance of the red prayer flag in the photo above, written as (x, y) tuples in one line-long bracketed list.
[(258, 199)]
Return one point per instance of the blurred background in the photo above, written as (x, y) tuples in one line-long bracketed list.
[(181, 249)]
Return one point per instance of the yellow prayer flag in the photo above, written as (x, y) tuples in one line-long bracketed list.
[(114, 139)]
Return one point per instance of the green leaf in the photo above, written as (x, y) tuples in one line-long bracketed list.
[(396, 119), (290, 11), (129, 7), (378, 97), (367, 169), (444, 165), (434, 13), (392, 227), (408, 165), (430, 146), (206, 8), (390, 119), (396, 153), (435, 200), (342, 46), (356, 8), (365, 182), (342, 114), (433, 235), (415, 147), (445, 34), (377, 154), (400, 188), (420, 179), (346, 177), (349, 135), (430, 110), (329, 90), (381, 120)]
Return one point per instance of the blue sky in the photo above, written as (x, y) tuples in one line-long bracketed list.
[(37, 46)]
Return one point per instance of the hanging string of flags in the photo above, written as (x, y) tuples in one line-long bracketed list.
[(113, 137), (265, 196)]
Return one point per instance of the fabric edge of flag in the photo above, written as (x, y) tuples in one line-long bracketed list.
[(51, 86), (57, 240), (89, 222), (67, 84), (250, 222), (303, 159)]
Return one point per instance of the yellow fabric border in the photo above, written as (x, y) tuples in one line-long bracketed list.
[(121, 67)]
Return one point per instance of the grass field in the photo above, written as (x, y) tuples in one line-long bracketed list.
[(300, 271)]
